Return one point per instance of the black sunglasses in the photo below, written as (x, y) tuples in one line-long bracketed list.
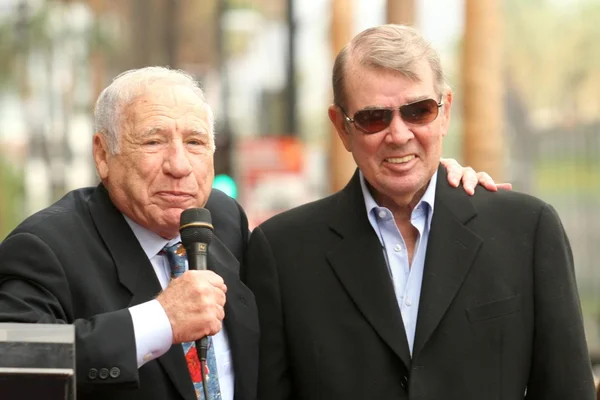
[(373, 120)]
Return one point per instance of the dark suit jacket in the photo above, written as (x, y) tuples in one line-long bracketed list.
[(499, 312), (78, 262)]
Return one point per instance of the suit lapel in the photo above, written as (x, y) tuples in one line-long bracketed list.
[(240, 321), (239, 297), (133, 267), (137, 275), (359, 263), (450, 253)]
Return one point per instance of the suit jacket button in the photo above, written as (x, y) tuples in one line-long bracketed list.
[(404, 382), (103, 373), (93, 373), (115, 372)]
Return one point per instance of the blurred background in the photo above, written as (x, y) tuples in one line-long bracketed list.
[(525, 74)]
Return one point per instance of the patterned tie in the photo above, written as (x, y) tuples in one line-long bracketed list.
[(178, 263)]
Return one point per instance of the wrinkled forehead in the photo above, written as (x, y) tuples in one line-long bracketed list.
[(168, 95), (366, 81), (170, 101), (414, 70)]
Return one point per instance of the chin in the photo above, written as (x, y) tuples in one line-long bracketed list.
[(167, 219), (172, 215)]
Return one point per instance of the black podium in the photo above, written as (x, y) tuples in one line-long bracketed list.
[(37, 361)]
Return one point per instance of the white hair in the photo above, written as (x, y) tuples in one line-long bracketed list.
[(131, 84)]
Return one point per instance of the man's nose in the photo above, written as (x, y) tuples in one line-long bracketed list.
[(398, 131), (177, 162)]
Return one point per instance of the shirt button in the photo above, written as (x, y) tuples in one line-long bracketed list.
[(382, 214), (408, 302), (398, 247)]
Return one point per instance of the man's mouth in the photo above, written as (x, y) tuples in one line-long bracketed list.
[(400, 160)]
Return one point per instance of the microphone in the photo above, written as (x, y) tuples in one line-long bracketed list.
[(196, 231)]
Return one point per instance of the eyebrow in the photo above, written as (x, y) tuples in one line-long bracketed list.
[(202, 132), (157, 129), (410, 100), (418, 98), (151, 131)]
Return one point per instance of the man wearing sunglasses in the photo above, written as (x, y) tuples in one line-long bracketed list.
[(401, 286)]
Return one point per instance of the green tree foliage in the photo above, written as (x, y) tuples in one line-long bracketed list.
[(552, 54), (22, 31), (11, 198)]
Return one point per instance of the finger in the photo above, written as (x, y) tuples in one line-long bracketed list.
[(213, 278), (469, 180), (220, 297), (486, 181), (214, 328), (221, 287), (505, 186), (455, 171), (454, 177), (221, 313), (449, 162), (218, 328)]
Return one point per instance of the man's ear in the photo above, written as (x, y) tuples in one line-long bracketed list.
[(339, 123), (101, 153), (447, 99)]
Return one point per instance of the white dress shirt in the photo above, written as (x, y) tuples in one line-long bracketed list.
[(152, 329), (407, 279)]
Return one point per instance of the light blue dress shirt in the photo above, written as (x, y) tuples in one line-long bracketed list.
[(151, 326), (407, 279)]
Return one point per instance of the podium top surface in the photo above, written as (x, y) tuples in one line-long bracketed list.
[(37, 333)]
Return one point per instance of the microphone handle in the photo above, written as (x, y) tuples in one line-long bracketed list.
[(196, 254), (202, 348)]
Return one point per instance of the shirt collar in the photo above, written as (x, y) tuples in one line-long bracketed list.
[(151, 242), (428, 197)]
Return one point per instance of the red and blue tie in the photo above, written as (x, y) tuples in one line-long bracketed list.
[(178, 263)]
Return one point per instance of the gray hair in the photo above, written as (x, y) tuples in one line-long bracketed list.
[(391, 47), (131, 84)]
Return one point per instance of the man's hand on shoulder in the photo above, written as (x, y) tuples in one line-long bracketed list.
[(470, 178)]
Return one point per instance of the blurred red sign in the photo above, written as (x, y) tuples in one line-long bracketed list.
[(269, 171)]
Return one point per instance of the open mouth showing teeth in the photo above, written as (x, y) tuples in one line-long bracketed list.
[(400, 160)]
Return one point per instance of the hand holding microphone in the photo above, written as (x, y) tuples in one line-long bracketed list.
[(194, 302)]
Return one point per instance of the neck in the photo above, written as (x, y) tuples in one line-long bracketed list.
[(402, 207)]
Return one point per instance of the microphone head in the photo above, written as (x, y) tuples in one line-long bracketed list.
[(195, 226)]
